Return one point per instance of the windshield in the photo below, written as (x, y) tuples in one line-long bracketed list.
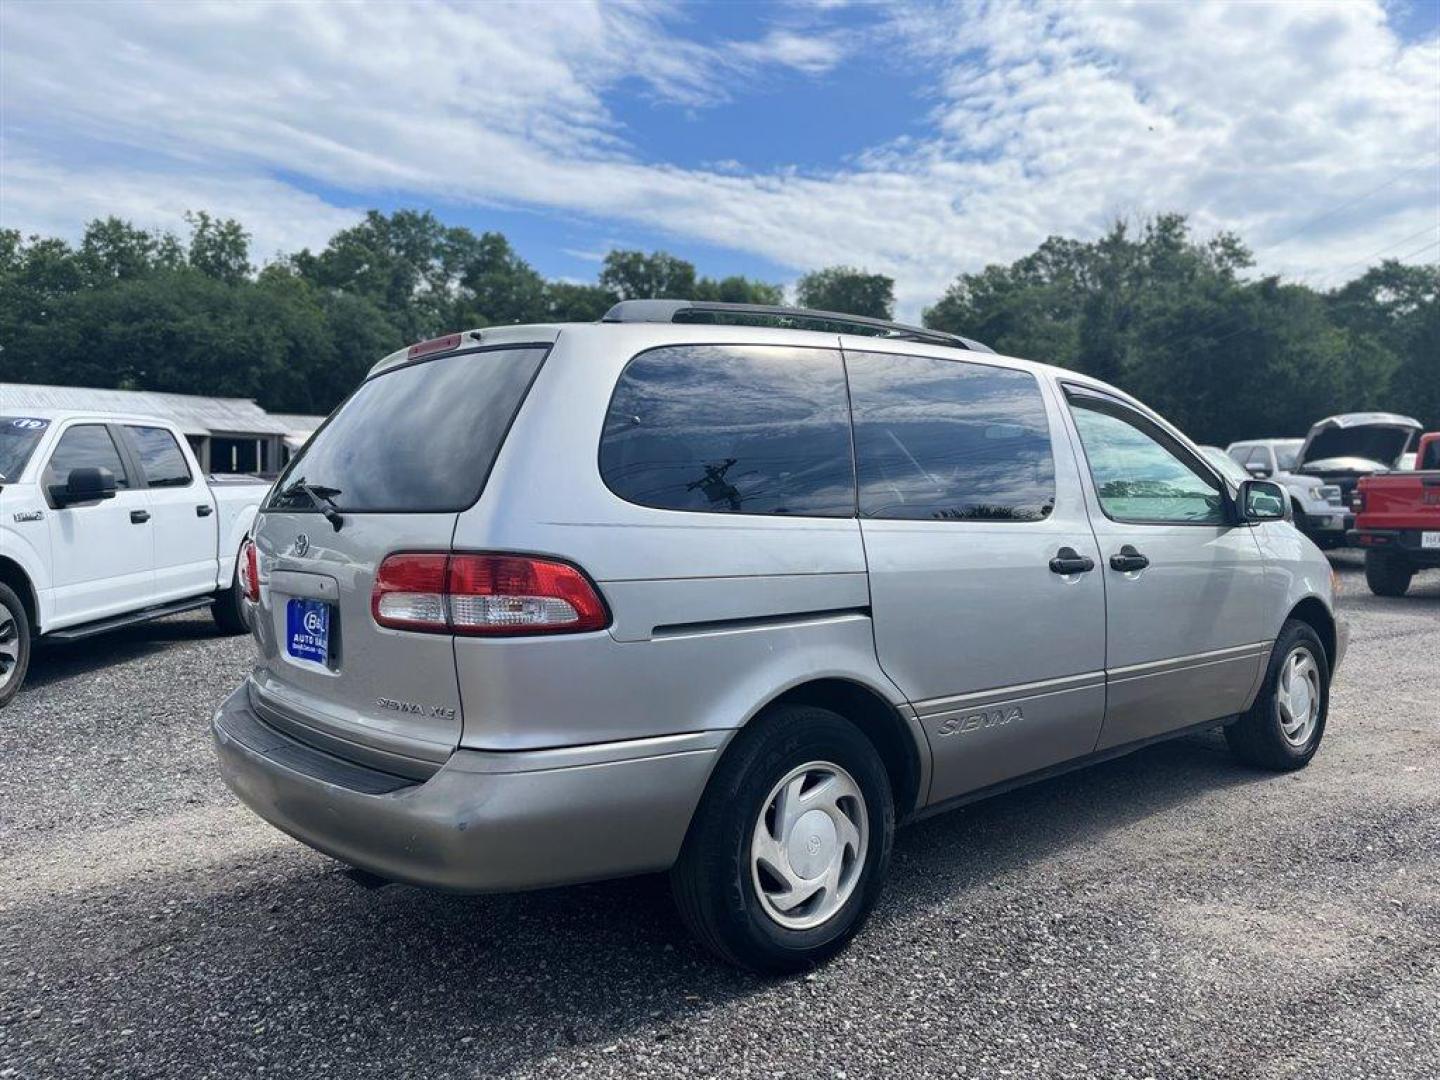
[(19, 435), (420, 438), (1286, 453)]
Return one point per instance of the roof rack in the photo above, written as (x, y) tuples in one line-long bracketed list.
[(684, 311)]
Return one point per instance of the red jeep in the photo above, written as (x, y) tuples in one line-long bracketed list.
[(1397, 521)]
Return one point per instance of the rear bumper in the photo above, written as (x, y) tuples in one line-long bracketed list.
[(1407, 543), (486, 822)]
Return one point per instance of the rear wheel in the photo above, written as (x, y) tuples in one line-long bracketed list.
[(791, 842), (14, 644), (1387, 574), (228, 609), (1284, 727)]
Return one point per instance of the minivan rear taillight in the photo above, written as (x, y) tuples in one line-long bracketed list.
[(249, 572), (484, 594)]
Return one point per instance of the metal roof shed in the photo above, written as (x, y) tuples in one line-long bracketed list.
[(227, 434)]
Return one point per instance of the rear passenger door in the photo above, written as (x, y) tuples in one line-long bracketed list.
[(987, 601), (1187, 611), (101, 558), (182, 518)]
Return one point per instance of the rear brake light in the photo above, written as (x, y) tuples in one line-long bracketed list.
[(409, 592), (434, 345), (249, 571), (1357, 501), (484, 594)]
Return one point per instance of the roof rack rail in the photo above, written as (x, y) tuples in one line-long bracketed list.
[(672, 311)]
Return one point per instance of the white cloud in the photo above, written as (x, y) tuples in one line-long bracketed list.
[(40, 197), (1045, 118)]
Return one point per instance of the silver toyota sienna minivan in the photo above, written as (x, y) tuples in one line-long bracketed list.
[(729, 592)]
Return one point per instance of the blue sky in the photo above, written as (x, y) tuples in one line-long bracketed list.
[(918, 139)]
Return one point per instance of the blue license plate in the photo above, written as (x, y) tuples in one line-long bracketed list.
[(307, 630)]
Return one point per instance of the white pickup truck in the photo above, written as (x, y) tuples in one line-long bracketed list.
[(106, 521)]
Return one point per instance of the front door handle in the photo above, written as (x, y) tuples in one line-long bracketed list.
[(1128, 559), (204, 510), (1069, 561), (139, 517)]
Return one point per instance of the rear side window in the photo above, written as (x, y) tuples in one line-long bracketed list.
[(420, 438), (160, 458), (949, 440), (85, 446), (731, 429)]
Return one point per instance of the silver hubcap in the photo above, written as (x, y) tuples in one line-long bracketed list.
[(9, 645), (1297, 696), (809, 845)]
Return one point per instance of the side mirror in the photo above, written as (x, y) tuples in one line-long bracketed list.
[(1257, 470), (87, 484), (1263, 500)]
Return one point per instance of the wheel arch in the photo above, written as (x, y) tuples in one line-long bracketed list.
[(1314, 613), (899, 741), (14, 575)]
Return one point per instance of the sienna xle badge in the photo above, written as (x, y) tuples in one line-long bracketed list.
[(546, 604)]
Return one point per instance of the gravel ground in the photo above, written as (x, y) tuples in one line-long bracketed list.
[(1169, 914)]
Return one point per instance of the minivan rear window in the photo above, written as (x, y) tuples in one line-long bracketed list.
[(731, 429), (418, 439)]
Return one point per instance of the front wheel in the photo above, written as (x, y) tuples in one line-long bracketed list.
[(1284, 727), (789, 848), (14, 644), (1387, 574)]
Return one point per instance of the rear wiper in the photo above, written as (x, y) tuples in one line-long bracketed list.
[(321, 497)]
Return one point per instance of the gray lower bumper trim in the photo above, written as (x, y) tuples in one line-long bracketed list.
[(470, 828), (253, 733)]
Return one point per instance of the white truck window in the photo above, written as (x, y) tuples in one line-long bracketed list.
[(160, 456), (82, 446)]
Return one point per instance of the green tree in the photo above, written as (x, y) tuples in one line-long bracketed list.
[(115, 250), (397, 262), (1170, 319), (493, 284), (847, 290), (633, 275), (736, 289), (1397, 307), (566, 301), (219, 248)]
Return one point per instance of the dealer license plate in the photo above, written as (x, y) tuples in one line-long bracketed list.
[(307, 630)]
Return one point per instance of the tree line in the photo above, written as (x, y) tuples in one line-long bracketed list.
[(1167, 316)]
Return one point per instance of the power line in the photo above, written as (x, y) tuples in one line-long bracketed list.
[(1417, 251), (1349, 203), (1389, 247)]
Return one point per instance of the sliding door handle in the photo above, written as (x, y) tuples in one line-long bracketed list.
[(139, 517), (1128, 560), (1069, 561)]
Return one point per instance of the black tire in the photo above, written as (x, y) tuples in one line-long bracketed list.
[(228, 609), (1258, 737), (1387, 574), (712, 881), (14, 632)]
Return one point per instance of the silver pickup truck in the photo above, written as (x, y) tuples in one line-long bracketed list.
[(543, 604)]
